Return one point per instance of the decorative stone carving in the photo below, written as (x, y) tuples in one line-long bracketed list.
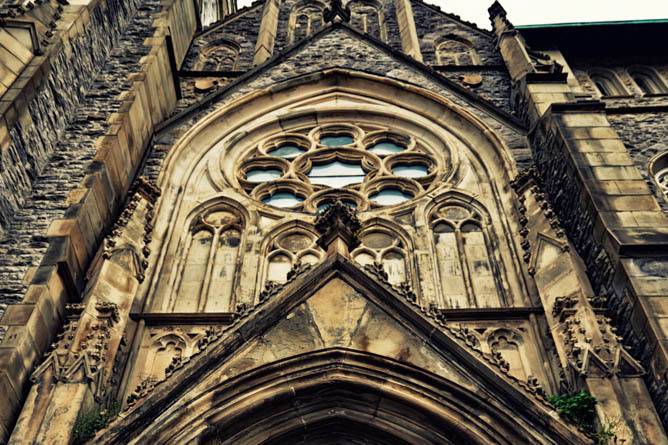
[(338, 221)]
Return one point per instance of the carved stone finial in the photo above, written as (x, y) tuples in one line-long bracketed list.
[(498, 16), (336, 9), (338, 227)]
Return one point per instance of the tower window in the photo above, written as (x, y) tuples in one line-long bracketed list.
[(607, 83), (456, 51), (647, 81)]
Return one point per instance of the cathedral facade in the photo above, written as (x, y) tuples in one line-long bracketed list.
[(330, 222)]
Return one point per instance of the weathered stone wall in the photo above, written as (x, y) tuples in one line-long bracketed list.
[(432, 24), (494, 87), (141, 75), (390, 24), (47, 97), (645, 135), (25, 241)]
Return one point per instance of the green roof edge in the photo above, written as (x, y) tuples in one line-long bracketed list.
[(604, 23)]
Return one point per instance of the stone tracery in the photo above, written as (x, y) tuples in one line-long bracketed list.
[(366, 167)]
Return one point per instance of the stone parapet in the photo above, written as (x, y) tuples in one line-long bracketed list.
[(150, 95)]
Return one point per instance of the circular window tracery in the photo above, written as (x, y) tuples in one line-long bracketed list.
[(309, 168)]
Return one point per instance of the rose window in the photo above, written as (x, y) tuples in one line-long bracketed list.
[(365, 167)]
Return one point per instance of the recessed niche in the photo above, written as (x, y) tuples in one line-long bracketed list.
[(336, 141), (336, 174), (410, 170), (389, 196), (283, 200), (386, 148), (263, 174), (288, 151)]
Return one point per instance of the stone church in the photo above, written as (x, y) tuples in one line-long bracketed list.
[(330, 222)]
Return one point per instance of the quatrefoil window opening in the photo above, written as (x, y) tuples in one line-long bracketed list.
[(310, 168)]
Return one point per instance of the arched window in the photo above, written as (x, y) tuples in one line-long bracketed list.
[(218, 56), (367, 17), (606, 83), (209, 264), (509, 344), (291, 247), (381, 246), (647, 80), (456, 51), (659, 171), (305, 20), (463, 260)]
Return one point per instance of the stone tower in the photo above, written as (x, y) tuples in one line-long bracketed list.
[(330, 222)]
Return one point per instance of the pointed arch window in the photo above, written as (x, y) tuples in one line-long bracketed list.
[(647, 81), (464, 264), (207, 278), (455, 50), (379, 245), (288, 249)]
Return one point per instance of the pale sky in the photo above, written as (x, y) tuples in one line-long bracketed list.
[(527, 12)]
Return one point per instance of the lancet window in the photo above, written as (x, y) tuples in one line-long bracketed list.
[(306, 20), (379, 245), (289, 248), (367, 17), (465, 267), (210, 263), (456, 51)]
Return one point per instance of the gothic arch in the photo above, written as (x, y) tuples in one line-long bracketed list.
[(220, 55), (368, 16), (294, 241), (210, 244), (468, 266), (192, 172), (385, 242), (305, 19), (455, 50), (302, 394), (647, 79), (512, 347)]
